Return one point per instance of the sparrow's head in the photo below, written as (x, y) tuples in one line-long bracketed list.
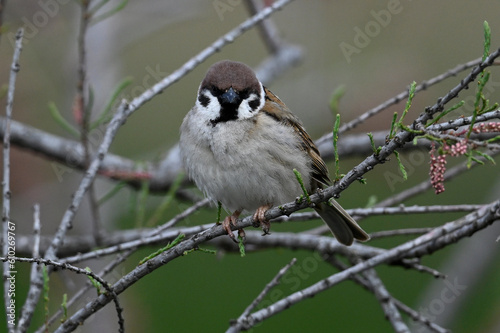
[(230, 91)]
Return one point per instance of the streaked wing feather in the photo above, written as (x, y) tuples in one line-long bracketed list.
[(320, 171)]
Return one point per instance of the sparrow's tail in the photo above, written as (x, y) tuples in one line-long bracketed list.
[(342, 225)]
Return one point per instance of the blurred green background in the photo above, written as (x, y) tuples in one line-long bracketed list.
[(149, 39)]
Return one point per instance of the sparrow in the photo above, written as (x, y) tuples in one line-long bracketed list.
[(240, 144)]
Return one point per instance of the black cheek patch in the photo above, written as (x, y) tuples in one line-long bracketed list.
[(204, 100), (254, 104)]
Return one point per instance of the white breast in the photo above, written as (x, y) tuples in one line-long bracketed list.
[(244, 164)]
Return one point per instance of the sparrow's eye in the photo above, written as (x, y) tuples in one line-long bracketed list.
[(215, 91), (244, 93), (204, 100)]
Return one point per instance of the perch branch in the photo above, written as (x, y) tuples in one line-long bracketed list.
[(471, 223)]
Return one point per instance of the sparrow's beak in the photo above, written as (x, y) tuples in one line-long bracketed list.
[(230, 97)]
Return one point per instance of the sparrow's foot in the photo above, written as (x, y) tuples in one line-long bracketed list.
[(259, 217), (226, 224)]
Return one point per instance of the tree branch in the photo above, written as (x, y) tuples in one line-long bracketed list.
[(8, 227), (472, 223), (236, 325)]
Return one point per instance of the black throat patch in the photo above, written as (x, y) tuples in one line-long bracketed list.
[(228, 112)]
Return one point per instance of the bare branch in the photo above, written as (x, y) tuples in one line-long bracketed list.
[(426, 185), (8, 227), (83, 111), (203, 55), (363, 281), (36, 271), (472, 223), (78, 270), (162, 175), (386, 301), (239, 323), (267, 29), (79, 246), (399, 232), (80, 293), (401, 96), (77, 198)]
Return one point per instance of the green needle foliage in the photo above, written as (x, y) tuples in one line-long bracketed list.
[(487, 40), (64, 308), (401, 166), (301, 182), (241, 245), (46, 295), (393, 125), (376, 151), (167, 200), (219, 212), (97, 285), (106, 115), (335, 100), (170, 245), (444, 113), (411, 94), (105, 15), (335, 146), (54, 112), (111, 193)]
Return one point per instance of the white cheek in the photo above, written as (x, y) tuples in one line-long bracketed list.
[(212, 110), (245, 111)]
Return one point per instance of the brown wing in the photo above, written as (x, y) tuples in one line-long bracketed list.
[(273, 103)]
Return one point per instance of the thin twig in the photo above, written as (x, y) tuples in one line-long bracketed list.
[(35, 269), (84, 110), (8, 227), (416, 265), (386, 301), (471, 223), (204, 54), (426, 185), (161, 175), (36, 231), (476, 220), (401, 96), (359, 144), (239, 323), (128, 252), (119, 240), (267, 29), (82, 291), (363, 281), (459, 122), (51, 263), (399, 232), (154, 236), (416, 316), (77, 198)]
